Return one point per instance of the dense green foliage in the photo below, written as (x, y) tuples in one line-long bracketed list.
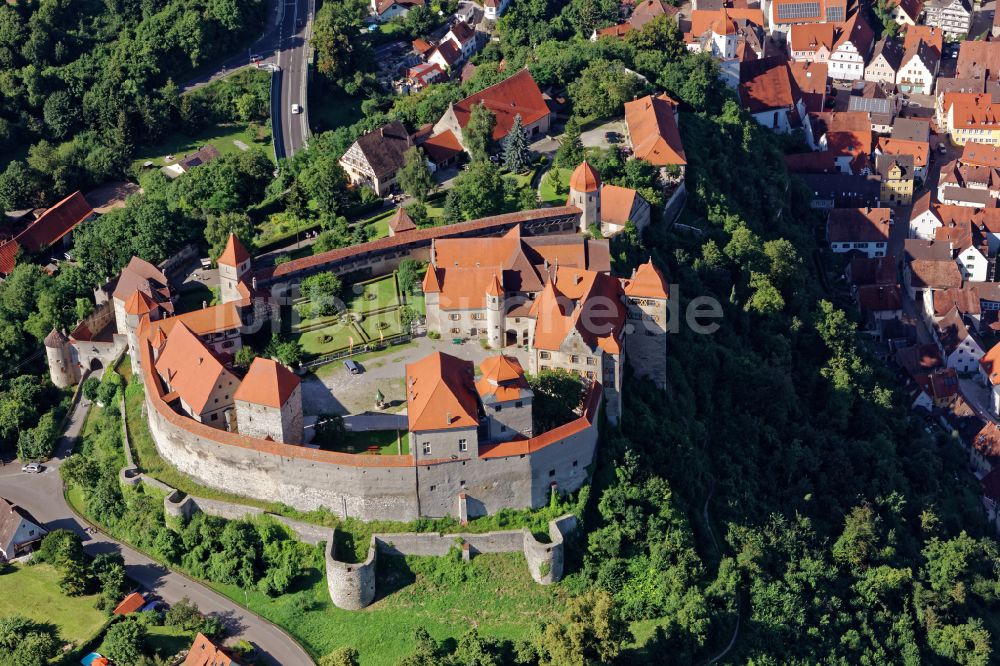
[(82, 82)]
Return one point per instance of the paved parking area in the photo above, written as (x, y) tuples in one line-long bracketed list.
[(597, 137), (331, 389)]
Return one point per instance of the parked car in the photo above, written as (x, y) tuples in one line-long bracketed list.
[(353, 367), (611, 137), (33, 467), (255, 58), (296, 108)]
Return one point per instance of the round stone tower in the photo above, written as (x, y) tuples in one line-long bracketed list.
[(495, 312), (585, 194), (59, 353)]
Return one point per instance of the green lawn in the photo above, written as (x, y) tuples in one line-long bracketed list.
[(325, 335), (194, 297), (313, 342), (34, 591), (547, 190), (221, 136), (493, 593), (374, 294), (389, 442)]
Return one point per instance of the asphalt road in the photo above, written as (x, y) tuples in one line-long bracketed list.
[(266, 46), (294, 31), (41, 495)]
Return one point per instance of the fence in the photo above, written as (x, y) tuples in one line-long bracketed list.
[(357, 350)]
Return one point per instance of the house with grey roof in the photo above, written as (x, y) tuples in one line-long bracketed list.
[(19, 532), (373, 160)]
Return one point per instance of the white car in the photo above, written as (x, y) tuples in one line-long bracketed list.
[(296, 108), (32, 468)]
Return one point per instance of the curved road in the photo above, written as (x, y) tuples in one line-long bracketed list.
[(284, 44), (41, 495)]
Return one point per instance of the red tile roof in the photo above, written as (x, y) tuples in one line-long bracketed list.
[(880, 298), (935, 274), (440, 393), (858, 225), (653, 131), (442, 147), (401, 221), (129, 604), (811, 36), (517, 95), (585, 178), (647, 282), (235, 252), (204, 652), (268, 383), (486, 224), (47, 230), (981, 154), (502, 379), (919, 150), (191, 369)]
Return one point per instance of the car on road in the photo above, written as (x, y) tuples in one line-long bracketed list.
[(255, 58), (353, 367), (296, 108), (33, 467)]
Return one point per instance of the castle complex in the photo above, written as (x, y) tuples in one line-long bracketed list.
[(515, 280)]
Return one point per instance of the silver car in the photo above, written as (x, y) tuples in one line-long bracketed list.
[(33, 467)]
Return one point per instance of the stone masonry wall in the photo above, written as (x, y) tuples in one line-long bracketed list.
[(352, 586)]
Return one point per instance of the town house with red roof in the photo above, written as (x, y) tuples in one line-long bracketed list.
[(860, 230), (852, 49), (517, 95)]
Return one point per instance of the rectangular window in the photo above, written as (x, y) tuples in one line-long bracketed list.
[(456, 331), (552, 472), (518, 404), (574, 359), (497, 408), (454, 317), (478, 316), (591, 360), (463, 445), (544, 355), (427, 448)]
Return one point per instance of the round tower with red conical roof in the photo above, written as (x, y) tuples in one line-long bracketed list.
[(585, 194)]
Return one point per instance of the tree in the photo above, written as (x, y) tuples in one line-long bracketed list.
[(184, 614), (322, 294), (61, 114), (342, 656), (124, 641), (409, 274), (37, 443), (570, 152), (516, 155), (415, 176), (219, 227), (15, 186), (286, 352), (477, 192), (557, 394), (478, 133), (80, 471), (325, 180), (244, 357), (24, 642), (592, 632), (603, 88)]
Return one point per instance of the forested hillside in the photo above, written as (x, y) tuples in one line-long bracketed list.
[(82, 82)]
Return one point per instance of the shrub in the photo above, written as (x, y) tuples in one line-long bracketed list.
[(90, 388), (433, 335)]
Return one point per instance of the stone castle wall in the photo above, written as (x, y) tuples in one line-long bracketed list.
[(352, 586)]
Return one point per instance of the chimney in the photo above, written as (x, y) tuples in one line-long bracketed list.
[(253, 283), (204, 304), (447, 418)]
